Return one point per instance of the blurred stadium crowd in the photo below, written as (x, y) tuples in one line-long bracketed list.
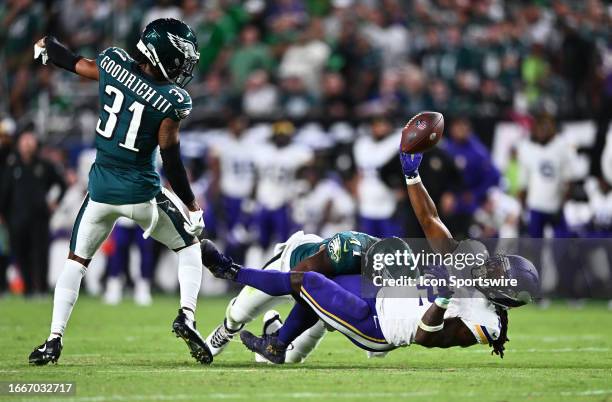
[(297, 105)]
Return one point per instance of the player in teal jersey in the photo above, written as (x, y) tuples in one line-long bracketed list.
[(340, 254), (142, 104)]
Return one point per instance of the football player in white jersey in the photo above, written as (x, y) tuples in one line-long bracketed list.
[(380, 323), (276, 164), (546, 173), (376, 201), (234, 171), (547, 170)]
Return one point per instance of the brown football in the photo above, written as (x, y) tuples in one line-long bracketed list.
[(422, 132)]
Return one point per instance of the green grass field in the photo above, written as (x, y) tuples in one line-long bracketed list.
[(128, 353)]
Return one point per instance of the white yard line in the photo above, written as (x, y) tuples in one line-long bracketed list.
[(306, 395)]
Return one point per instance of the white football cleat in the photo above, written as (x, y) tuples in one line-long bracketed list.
[(142, 293), (218, 340), (114, 291), (271, 323)]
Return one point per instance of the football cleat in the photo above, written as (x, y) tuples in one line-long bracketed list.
[(114, 291), (268, 346), (221, 337), (48, 352), (272, 322), (142, 293), (186, 329), (218, 264)]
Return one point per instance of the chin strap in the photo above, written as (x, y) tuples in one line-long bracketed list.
[(151, 54)]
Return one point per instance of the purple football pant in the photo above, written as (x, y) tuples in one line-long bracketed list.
[(119, 261), (339, 304), (273, 223)]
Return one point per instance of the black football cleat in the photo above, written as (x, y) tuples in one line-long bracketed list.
[(268, 346), (218, 264), (48, 352), (186, 329)]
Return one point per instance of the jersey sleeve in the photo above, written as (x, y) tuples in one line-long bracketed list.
[(344, 252), (101, 56), (485, 333), (181, 104)]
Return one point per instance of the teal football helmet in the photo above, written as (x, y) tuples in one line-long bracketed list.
[(172, 47)]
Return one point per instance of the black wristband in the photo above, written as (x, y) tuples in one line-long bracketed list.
[(60, 55), (176, 174)]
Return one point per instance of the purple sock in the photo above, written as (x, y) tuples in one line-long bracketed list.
[(274, 283), (299, 320)]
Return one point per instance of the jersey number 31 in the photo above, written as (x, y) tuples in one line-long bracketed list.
[(109, 128)]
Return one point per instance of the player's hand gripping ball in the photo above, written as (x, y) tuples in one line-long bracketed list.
[(410, 163)]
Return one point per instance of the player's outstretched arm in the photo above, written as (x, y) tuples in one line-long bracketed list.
[(49, 48), (437, 233), (169, 145)]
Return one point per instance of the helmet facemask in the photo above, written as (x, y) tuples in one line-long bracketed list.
[(183, 73), (506, 297)]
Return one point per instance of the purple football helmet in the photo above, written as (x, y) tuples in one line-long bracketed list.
[(512, 267)]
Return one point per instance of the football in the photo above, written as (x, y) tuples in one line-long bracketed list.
[(422, 132)]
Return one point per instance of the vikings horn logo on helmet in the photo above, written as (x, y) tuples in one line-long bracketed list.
[(185, 46)]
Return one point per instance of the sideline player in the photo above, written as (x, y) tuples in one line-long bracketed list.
[(143, 103), (382, 323)]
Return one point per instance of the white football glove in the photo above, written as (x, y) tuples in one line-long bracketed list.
[(41, 52), (196, 223)]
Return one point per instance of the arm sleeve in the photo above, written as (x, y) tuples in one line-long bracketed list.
[(176, 174), (60, 55)]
